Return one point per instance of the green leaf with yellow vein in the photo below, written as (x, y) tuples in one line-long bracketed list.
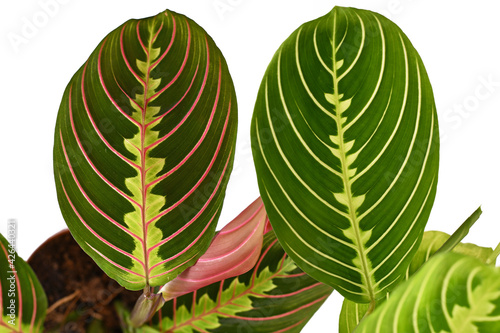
[(274, 296), (346, 147), (352, 313), (452, 293), (23, 302), (144, 146)]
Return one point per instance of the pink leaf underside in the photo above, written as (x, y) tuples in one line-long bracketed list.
[(233, 251)]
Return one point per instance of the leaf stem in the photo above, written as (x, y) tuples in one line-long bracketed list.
[(493, 257), (371, 308)]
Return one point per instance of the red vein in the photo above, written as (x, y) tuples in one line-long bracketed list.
[(176, 104), (207, 171), (291, 275), (20, 293), (199, 212), (140, 39), (173, 269), (312, 286), (195, 103), (249, 291), (87, 158), (101, 80), (199, 329), (143, 171), (290, 327), (117, 265), (125, 57), (181, 69), (114, 247), (130, 99), (1, 291), (174, 29), (101, 212), (219, 296), (185, 249), (33, 294), (285, 314), (158, 32), (257, 265)]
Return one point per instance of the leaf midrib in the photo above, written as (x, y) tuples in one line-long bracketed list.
[(144, 149), (345, 169), (216, 310)]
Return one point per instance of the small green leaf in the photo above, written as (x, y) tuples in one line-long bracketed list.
[(451, 293), (22, 298)]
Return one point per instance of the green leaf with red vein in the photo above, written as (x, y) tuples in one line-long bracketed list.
[(22, 299), (275, 296), (144, 146)]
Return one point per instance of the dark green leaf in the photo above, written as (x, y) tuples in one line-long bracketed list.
[(346, 148), (144, 146)]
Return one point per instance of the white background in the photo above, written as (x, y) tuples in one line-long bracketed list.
[(457, 40)]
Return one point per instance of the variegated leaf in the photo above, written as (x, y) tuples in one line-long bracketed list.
[(452, 293), (144, 147), (22, 300), (345, 143), (352, 313)]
